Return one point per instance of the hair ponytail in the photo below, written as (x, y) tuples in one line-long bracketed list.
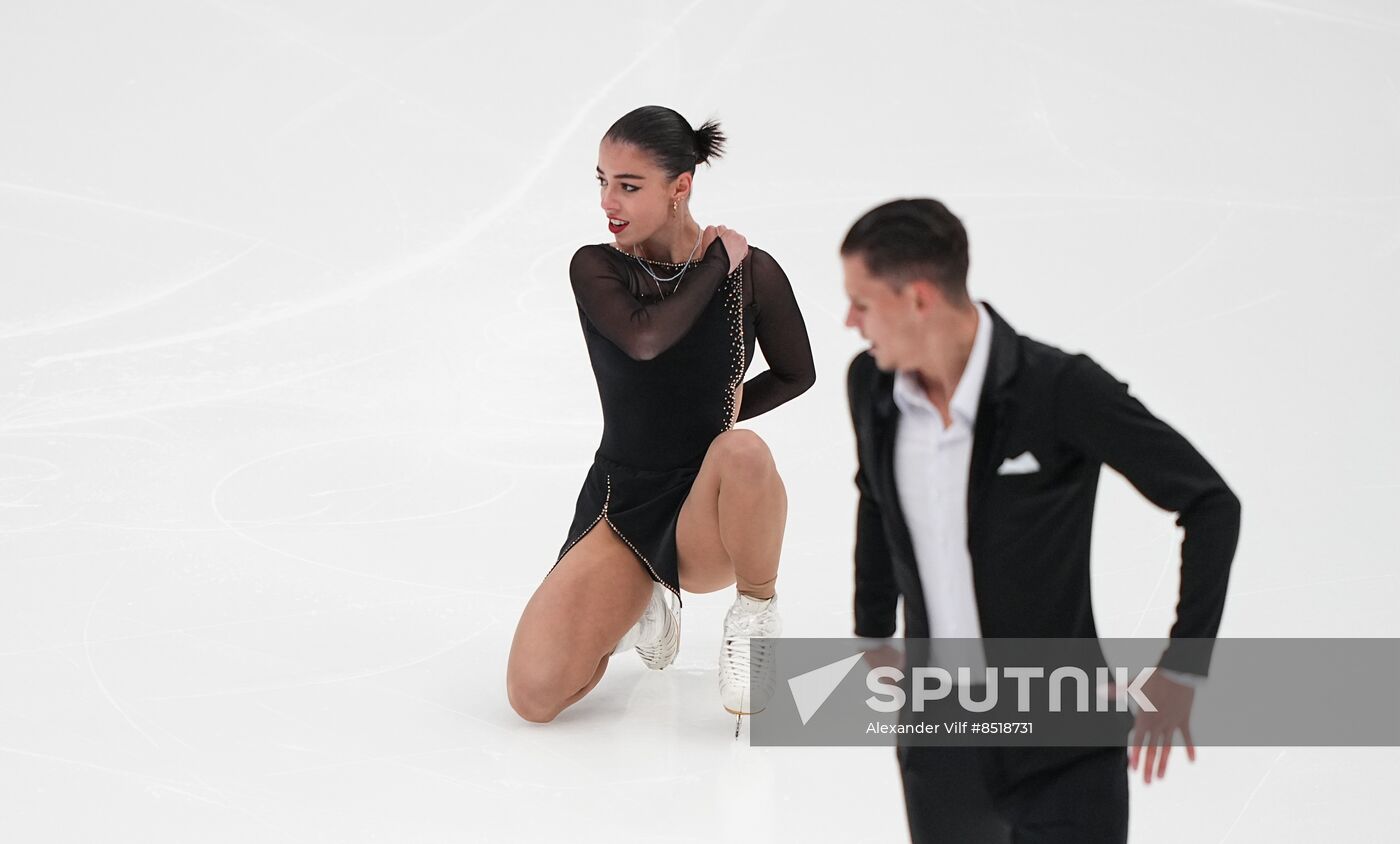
[(668, 137), (709, 142)]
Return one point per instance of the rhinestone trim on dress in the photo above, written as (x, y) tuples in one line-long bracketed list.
[(648, 260), (734, 305), (603, 516)]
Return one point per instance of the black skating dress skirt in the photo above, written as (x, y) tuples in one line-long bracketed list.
[(667, 371)]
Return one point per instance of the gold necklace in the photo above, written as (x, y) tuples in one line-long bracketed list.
[(658, 279)]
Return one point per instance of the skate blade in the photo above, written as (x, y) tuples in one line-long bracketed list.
[(742, 712)]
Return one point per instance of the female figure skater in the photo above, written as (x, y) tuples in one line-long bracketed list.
[(676, 495)]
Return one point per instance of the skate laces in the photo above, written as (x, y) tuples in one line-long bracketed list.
[(661, 628), (740, 655)]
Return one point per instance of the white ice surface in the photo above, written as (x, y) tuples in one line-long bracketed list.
[(294, 405)]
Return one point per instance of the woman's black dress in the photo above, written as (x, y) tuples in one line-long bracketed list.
[(667, 372)]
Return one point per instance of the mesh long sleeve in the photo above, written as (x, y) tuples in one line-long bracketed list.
[(643, 330), (781, 333)]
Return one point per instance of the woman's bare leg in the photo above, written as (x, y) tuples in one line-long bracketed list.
[(731, 526), (572, 623)]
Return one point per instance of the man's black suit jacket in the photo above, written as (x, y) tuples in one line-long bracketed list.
[(1029, 534)]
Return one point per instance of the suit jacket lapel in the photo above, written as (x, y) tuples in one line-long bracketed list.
[(995, 408), (886, 429)]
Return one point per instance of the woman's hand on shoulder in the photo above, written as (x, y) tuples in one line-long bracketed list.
[(707, 237), (734, 243)]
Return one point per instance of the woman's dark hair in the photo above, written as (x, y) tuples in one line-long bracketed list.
[(913, 238), (667, 136)]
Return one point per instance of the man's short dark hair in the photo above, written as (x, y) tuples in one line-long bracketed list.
[(913, 238)]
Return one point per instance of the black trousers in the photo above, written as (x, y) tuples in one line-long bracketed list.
[(959, 795)]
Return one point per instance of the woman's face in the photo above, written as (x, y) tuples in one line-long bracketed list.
[(636, 196)]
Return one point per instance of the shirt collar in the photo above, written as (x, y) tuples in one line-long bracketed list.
[(908, 393)]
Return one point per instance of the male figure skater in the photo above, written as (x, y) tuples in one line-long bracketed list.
[(979, 453)]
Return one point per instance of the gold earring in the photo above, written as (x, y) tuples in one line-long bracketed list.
[(674, 202)]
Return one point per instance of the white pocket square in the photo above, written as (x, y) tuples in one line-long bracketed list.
[(1024, 464)]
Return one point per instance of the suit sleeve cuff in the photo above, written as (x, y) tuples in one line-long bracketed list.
[(870, 643)]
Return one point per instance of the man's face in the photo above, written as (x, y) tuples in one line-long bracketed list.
[(883, 315)]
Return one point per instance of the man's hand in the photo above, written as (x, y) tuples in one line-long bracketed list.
[(885, 655), (1154, 730)]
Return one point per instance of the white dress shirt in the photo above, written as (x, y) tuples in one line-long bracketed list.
[(931, 464)]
